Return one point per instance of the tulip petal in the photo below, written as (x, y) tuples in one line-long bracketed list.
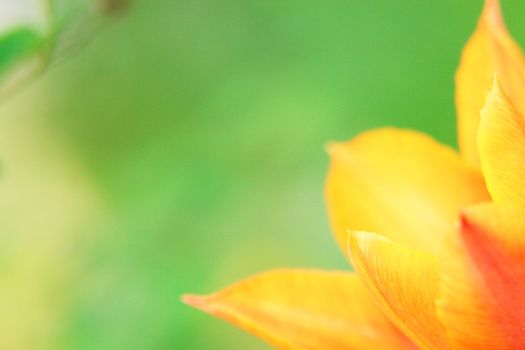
[(482, 303), (400, 183), (501, 143), (405, 284), (305, 309), (490, 50)]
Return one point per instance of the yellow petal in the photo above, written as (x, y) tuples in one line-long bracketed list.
[(305, 309), (405, 284), (400, 183), (490, 50), (501, 143), (482, 300)]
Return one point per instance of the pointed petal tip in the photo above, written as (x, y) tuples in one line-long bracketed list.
[(492, 6), (495, 79), (403, 282), (329, 146), (197, 301), (352, 242), (333, 148), (495, 96), (493, 13), (490, 49), (356, 238), (496, 83), (304, 309)]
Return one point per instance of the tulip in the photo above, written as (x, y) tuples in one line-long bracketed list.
[(436, 237)]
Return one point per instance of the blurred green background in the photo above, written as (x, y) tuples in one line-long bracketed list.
[(183, 149)]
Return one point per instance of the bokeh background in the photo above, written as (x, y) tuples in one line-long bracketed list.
[(179, 147)]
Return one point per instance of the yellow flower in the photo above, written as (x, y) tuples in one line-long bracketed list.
[(446, 268)]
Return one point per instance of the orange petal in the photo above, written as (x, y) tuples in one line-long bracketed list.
[(400, 183), (305, 309), (482, 303), (490, 50), (501, 143), (405, 284)]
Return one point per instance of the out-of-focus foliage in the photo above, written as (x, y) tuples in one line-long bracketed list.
[(37, 33), (183, 149), (16, 45), (24, 33)]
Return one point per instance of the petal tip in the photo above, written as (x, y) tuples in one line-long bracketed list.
[(333, 148), (364, 236), (357, 241), (329, 147), (496, 96), (492, 12), (353, 246), (196, 301), (496, 85), (353, 238)]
